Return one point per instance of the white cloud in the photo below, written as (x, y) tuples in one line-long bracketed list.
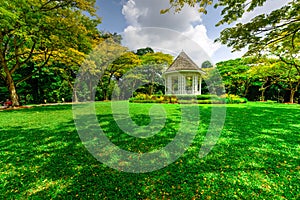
[(132, 13), (172, 33), (199, 35), (169, 32), (146, 13), (168, 41)]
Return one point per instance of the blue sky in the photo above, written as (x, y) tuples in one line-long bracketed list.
[(112, 18), (170, 33)]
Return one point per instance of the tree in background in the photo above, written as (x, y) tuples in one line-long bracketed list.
[(289, 54), (206, 64), (68, 72), (154, 64), (289, 78), (264, 74), (212, 82), (116, 70), (144, 51), (235, 75), (38, 32), (95, 68), (259, 75), (147, 77)]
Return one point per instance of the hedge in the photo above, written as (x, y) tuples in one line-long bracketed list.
[(188, 99)]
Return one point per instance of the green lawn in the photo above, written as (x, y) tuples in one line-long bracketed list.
[(256, 157)]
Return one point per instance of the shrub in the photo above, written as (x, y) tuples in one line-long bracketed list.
[(167, 98), (188, 99), (206, 101), (244, 100), (141, 96), (271, 101), (153, 97), (206, 96), (234, 99), (193, 101), (173, 100)]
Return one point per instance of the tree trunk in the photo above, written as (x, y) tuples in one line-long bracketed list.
[(263, 94), (74, 94), (151, 85), (12, 90), (106, 90), (91, 98), (293, 91), (151, 89), (10, 83), (247, 85), (292, 96), (105, 95), (75, 97)]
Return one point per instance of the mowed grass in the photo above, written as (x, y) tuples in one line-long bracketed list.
[(256, 156)]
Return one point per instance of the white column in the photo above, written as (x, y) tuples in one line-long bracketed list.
[(193, 84), (200, 85), (181, 84), (166, 85), (178, 85), (183, 78), (196, 84), (169, 84)]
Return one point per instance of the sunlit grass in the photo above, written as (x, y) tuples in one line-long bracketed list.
[(256, 157)]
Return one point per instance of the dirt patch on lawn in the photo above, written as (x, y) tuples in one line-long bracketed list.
[(15, 108)]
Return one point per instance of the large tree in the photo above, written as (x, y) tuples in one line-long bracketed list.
[(42, 31), (235, 75), (154, 64), (116, 70), (264, 73), (102, 68), (146, 77), (290, 79), (263, 30)]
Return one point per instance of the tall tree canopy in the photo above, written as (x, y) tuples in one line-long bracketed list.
[(41, 31), (263, 30), (260, 78), (144, 51), (235, 75), (147, 76)]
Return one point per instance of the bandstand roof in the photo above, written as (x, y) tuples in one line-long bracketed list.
[(183, 63)]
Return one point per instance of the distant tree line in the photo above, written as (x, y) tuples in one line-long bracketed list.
[(258, 78), (57, 82)]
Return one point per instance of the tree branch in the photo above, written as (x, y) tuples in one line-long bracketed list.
[(26, 60), (2, 77), (27, 77), (60, 5), (6, 44), (30, 75), (278, 26), (293, 37), (16, 51)]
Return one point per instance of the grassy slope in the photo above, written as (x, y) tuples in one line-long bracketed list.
[(257, 156)]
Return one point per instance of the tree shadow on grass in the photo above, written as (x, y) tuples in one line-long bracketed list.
[(257, 156)]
